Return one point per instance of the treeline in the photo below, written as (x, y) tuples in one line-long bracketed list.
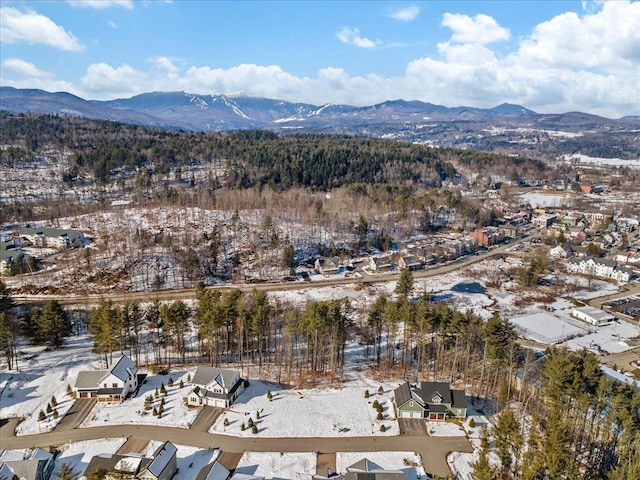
[(584, 426), (107, 150)]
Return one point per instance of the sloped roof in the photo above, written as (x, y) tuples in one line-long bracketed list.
[(206, 375), (161, 458), (459, 399), (402, 394), (363, 465), (6, 472), (123, 368), (213, 471), (89, 379), (428, 390)]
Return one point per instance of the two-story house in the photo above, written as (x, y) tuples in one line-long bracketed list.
[(430, 400), (112, 385), (215, 387)]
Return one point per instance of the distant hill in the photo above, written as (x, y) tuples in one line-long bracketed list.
[(504, 128)]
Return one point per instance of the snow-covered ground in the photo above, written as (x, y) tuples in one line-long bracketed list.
[(613, 338), (408, 462), (132, 411), (617, 162), (310, 412), (291, 466), (461, 463), (43, 374), (445, 429), (78, 455)]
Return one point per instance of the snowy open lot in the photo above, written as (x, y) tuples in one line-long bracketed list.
[(320, 412), (291, 466)]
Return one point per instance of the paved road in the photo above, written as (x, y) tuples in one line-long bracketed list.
[(76, 414), (190, 293), (433, 450)]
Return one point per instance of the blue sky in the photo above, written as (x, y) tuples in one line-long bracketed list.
[(551, 56)]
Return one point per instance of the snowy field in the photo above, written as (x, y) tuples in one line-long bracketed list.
[(408, 462), (291, 466), (599, 161), (541, 200), (42, 374), (310, 413), (132, 411)]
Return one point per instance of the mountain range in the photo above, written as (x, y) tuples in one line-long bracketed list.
[(406, 120)]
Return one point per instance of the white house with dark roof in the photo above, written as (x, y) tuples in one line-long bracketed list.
[(112, 385), (215, 387)]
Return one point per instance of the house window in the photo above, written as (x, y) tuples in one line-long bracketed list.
[(114, 385), (105, 385)]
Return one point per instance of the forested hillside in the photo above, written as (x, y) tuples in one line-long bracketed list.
[(252, 158)]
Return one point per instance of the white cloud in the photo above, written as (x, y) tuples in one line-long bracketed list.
[(586, 62), (406, 14), (113, 24), (26, 75), (104, 80), (352, 37), (481, 29), (607, 40), (101, 4), (31, 27)]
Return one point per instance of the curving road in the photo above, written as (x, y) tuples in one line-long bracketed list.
[(433, 450)]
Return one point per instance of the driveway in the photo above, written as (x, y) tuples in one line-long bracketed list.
[(205, 419), (76, 414), (413, 427)]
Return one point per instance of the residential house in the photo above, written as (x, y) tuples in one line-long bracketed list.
[(214, 471), (430, 400), (599, 267), (52, 237), (37, 464), (380, 264), (161, 465), (561, 251), (112, 385), (409, 262), (365, 469), (327, 265), (215, 387)]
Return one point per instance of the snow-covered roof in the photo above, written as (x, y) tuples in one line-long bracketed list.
[(161, 458), (123, 369)]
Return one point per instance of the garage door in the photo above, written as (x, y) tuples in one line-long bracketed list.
[(405, 414), (220, 403)]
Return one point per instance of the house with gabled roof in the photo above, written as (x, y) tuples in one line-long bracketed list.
[(430, 400), (365, 469), (214, 471), (161, 465), (381, 264), (34, 465), (112, 385), (327, 265), (215, 387)]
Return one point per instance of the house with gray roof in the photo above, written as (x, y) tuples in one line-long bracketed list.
[(112, 385), (52, 237), (327, 265), (34, 465), (161, 465), (214, 471), (365, 469), (215, 387), (430, 400)]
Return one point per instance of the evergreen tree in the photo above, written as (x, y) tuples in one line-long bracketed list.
[(66, 473), (405, 284), (482, 469)]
